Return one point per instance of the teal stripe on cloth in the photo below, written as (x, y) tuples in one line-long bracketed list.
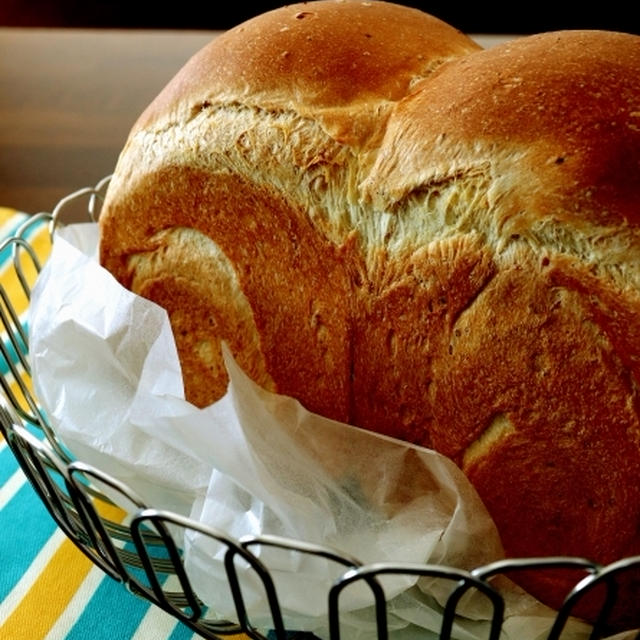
[(11, 352), (28, 526), (8, 465), (10, 231), (182, 632), (109, 616)]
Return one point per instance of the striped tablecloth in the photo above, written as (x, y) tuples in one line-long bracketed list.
[(48, 588)]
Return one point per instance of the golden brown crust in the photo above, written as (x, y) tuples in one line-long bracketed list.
[(404, 232), (316, 58), (263, 144), (535, 395), (557, 111), (302, 333)]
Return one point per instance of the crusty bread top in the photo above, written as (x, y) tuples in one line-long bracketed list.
[(565, 104), (340, 60), (549, 126)]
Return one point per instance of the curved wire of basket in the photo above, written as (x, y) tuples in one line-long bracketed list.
[(135, 544)]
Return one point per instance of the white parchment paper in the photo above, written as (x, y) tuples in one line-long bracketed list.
[(106, 371)]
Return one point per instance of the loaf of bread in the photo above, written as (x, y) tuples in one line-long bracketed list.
[(416, 236)]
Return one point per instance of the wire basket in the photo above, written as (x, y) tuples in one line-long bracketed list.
[(135, 544)]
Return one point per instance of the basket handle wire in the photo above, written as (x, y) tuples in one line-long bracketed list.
[(600, 576), (15, 332), (160, 520), (72, 511), (81, 482), (189, 599), (15, 352), (464, 579), (37, 460), (597, 575), (20, 243)]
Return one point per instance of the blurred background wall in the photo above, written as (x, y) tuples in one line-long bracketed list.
[(478, 17)]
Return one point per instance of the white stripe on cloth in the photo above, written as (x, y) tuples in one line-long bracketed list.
[(156, 623), (10, 223), (11, 487), (76, 605), (16, 595)]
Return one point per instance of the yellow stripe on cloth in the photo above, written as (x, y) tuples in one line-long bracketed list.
[(18, 395), (48, 596), (40, 242), (7, 215), (55, 586), (75, 609)]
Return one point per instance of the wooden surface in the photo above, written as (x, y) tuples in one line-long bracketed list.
[(69, 97)]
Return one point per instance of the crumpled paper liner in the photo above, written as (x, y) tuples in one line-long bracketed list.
[(106, 371)]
